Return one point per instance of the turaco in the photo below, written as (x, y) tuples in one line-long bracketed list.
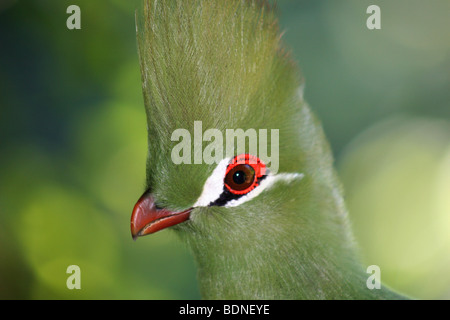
[(255, 233)]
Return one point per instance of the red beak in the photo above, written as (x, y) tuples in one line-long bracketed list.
[(147, 218)]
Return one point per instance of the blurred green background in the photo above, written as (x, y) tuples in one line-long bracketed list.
[(73, 144)]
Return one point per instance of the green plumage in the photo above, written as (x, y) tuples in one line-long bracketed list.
[(222, 62)]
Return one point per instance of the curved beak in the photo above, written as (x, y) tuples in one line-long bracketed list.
[(147, 218)]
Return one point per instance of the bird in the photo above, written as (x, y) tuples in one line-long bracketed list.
[(258, 227)]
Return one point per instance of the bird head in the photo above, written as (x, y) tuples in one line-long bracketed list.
[(215, 73)]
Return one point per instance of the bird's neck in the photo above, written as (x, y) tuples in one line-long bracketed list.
[(275, 268)]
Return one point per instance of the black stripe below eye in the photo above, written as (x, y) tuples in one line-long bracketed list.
[(227, 196)]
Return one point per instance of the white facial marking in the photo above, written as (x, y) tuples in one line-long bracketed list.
[(214, 185)]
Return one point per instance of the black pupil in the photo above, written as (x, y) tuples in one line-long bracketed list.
[(239, 177)]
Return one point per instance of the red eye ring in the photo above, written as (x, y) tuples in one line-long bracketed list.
[(244, 173)]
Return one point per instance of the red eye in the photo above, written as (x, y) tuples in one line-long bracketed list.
[(243, 174)]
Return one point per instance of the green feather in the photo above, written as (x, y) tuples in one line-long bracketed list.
[(223, 63)]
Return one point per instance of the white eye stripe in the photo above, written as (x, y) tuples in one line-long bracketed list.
[(267, 183), (214, 186)]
